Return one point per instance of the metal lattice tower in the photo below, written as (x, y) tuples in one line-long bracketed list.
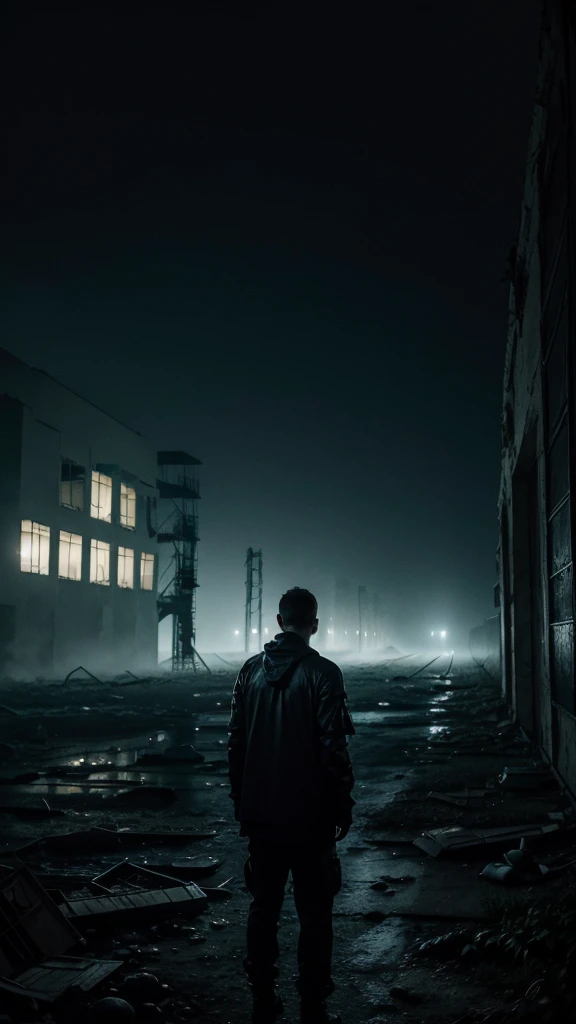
[(178, 492), (253, 596)]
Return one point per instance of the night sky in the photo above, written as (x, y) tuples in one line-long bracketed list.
[(276, 239)]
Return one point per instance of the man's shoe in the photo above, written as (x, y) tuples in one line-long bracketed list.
[(316, 1013), (266, 1008)]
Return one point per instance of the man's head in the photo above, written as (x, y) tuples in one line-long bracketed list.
[(298, 612)]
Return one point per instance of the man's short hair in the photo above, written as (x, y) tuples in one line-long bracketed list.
[(298, 608)]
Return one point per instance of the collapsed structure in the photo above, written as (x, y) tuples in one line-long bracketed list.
[(78, 563), (538, 468)]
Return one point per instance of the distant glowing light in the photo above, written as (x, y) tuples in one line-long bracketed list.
[(236, 632), (330, 630), (254, 630), (443, 633), (432, 633), (365, 633), (357, 632), (266, 630)]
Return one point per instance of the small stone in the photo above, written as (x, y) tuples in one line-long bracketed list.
[(219, 922), (379, 886), (111, 1011), (141, 987)]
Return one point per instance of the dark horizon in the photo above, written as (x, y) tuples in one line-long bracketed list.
[(283, 252)]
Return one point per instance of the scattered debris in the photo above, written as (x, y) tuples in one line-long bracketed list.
[(80, 668), (55, 976), (519, 867), (452, 839), (35, 935), (145, 905), (220, 892), (191, 867)]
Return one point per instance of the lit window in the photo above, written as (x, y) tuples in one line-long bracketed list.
[(70, 556), (100, 562), (127, 506), (72, 479), (146, 571), (35, 548), (101, 499), (126, 568)]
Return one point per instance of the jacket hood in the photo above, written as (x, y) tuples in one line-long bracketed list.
[(280, 657)]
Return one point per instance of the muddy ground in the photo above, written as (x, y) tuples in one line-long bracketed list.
[(413, 736)]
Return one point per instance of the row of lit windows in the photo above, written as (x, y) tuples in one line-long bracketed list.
[(72, 481), (35, 557)]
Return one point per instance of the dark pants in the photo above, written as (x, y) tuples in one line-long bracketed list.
[(317, 878)]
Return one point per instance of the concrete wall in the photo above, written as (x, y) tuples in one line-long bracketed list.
[(538, 474), (49, 625)]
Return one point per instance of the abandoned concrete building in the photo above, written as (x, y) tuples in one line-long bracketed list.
[(77, 558), (538, 471)]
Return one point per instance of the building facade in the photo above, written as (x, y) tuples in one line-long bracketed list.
[(538, 486), (77, 553)]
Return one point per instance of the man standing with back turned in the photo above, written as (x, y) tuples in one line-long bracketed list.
[(291, 782)]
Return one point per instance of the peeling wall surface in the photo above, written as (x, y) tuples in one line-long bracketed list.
[(538, 466), (52, 617)]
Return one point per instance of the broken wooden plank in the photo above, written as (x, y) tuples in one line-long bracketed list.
[(454, 838), (52, 978), (32, 926), (135, 906)]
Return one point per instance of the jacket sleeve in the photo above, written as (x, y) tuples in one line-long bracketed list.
[(236, 745), (334, 725)]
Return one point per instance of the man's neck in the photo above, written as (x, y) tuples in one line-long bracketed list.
[(295, 632)]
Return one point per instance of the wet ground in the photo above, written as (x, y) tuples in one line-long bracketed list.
[(99, 752)]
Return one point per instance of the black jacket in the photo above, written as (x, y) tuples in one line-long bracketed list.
[(290, 772)]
